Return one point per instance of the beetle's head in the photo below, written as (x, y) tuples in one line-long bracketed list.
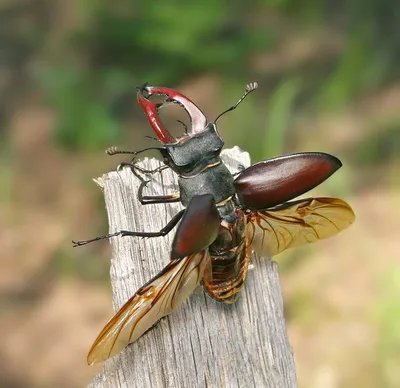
[(198, 147), (197, 118)]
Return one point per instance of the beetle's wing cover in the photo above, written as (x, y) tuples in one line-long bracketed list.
[(298, 222), (198, 228), (274, 181), (159, 297)]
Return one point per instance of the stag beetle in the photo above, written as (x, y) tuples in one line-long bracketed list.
[(235, 214)]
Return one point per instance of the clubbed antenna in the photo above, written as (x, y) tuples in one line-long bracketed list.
[(115, 151), (249, 88)]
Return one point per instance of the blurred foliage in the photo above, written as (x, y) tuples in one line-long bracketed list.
[(278, 118), (382, 145), (93, 64), (93, 69), (134, 41)]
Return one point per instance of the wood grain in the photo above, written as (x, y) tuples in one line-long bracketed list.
[(203, 343)]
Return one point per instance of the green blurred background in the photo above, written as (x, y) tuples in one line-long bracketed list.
[(328, 75)]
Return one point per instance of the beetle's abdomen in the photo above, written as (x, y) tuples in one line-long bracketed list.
[(215, 180), (227, 275), (230, 257)]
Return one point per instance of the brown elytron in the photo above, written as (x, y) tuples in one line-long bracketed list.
[(226, 217)]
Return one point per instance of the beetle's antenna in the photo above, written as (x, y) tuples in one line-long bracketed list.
[(115, 151), (249, 88)]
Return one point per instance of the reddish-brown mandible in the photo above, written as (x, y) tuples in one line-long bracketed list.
[(274, 181)]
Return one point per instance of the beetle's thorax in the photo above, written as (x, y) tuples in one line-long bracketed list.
[(192, 154), (197, 161), (215, 180)]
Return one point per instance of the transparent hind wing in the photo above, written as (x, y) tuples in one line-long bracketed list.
[(156, 299), (297, 223)]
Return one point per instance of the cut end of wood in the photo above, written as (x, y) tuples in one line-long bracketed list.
[(100, 181)]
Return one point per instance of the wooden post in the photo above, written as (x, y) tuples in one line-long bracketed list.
[(204, 343)]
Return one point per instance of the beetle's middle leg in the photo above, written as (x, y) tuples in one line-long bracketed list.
[(150, 199), (162, 232)]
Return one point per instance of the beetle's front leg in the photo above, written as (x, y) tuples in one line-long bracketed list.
[(240, 168), (133, 165), (150, 199)]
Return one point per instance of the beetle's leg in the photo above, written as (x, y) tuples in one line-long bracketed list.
[(142, 170), (240, 168), (163, 232), (149, 199)]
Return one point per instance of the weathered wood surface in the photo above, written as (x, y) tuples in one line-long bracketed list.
[(203, 343)]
